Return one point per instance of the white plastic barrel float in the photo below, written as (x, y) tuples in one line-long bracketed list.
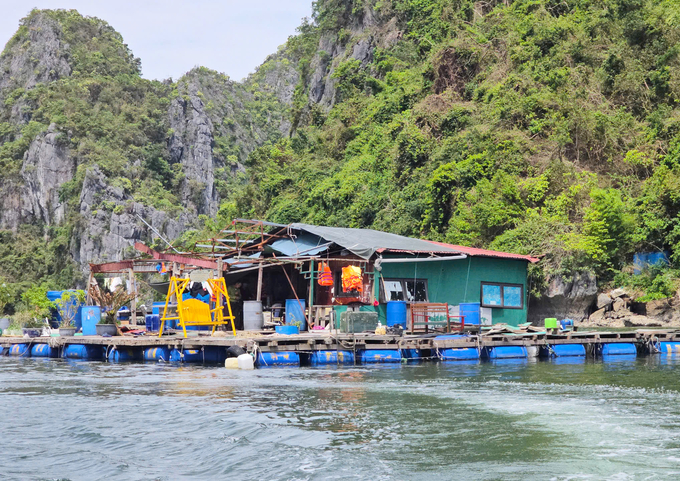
[(243, 361)]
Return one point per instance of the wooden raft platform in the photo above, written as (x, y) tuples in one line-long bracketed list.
[(265, 341)]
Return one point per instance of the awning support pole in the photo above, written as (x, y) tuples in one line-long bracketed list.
[(311, 290), (259, 282)]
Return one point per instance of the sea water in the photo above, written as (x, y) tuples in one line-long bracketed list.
[(567, 419)]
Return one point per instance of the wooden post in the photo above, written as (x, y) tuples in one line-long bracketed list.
[(88, 299), (173, 298), (311, 291), (133, 302), (259, 282)]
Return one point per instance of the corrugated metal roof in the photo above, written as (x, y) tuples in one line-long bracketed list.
[(473, 251), (365, 242)]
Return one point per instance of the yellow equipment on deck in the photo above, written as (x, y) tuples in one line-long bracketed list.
[(192, 312)]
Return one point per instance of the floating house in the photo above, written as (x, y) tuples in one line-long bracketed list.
[(391, 268), (320, 272)]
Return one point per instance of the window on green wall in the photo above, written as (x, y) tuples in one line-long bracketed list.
[(507, 296), (409, 290)]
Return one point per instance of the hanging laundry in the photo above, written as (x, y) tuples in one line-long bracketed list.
[(352, 279), (326, 276), (115, 282), (196, 289)]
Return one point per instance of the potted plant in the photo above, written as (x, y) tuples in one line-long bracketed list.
[(110, 302), (16, 324), (38, 308), (68, 305)]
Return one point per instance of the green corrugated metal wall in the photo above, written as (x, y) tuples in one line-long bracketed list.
[(448, 281)]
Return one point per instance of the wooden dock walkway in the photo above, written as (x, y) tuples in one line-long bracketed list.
[(329, 340)]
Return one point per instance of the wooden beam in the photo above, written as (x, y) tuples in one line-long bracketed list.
[(133, 302), (178, 258)]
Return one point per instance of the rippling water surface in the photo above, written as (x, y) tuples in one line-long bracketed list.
[(508, 420)]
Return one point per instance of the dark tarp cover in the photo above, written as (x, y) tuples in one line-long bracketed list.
[(365, 242)]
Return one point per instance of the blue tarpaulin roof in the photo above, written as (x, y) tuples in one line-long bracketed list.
[(303, 244)]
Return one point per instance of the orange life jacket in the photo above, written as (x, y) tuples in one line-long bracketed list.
[(352, 279), (326, 277)]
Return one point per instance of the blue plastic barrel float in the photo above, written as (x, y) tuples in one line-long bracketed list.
[(20, 350), (669, 347), (210, 355), (412, 354), (331, 357), (3, 351), (396, 313), (618, 349), (44, 350), (157, 354), (505, 352), (281, 358), (124, 354), (562, 350), (368, 356), (459, 354), (83, 351)]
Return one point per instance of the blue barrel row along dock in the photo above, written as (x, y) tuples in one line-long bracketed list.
[(324, 348)]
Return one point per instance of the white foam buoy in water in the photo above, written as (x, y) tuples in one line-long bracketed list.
[(231, 363), (245, 361)]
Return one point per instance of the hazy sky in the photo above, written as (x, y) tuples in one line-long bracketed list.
[(173, 36)]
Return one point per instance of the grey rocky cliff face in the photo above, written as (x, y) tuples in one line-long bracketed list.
[(34, 194), (366, 32), (38, 56), (571, 298), (215, 124), (191, 144), (108, 234), (46, 167)]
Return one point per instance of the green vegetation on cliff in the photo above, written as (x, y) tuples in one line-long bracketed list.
[(533, 126), (536, 126)]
